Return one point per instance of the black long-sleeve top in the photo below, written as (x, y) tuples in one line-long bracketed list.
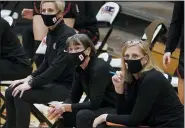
[(96, 82), (151, 101), (55, 67), (10, 46)]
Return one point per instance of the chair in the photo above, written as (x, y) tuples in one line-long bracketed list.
[(34, 110), (2, 106), (5, 14), (105, 18)]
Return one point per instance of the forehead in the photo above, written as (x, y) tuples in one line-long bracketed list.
[(75, 44), (47, 5), (135, 49)]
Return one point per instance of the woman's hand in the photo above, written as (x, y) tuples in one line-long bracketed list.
[(57, 110), (21, 81), (27, 13), (21, 88), (99, 120), (118, 80)]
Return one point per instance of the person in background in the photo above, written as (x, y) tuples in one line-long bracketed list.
[(175, 37), (14, 64), (144, 95), (84, 15), (92, 77), (52, 80)]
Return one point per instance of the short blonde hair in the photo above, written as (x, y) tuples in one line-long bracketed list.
[(144, 47), (60, 5)]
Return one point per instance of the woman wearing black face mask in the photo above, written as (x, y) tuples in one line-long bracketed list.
[(52, 80), (145, 96), (92, 77)]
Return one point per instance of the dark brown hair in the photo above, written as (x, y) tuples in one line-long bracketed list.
[(82, 39)]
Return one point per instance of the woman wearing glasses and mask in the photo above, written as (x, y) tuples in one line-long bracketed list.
[(92, 77), (145, 96), (52, 80)]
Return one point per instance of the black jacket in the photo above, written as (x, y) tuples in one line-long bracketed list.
[(151, 101), (96, 82), (176, 34), (55, 67), (10, 46)]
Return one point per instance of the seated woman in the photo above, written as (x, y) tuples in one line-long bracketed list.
[(52, 81), (145, 96), (14, 64), (92, 77)]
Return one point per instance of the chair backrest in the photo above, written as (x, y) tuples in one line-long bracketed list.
[(155, 29), (108, 12), (9, 19), (105, 56), (5, 12)]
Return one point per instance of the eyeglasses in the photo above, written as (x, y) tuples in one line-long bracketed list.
[(75, 49), (134, 42)]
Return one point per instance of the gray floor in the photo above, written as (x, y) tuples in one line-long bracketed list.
[(116, 40)]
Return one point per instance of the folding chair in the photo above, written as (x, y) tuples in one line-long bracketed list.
[(105, 18), (10, 16), (2, 97), (34, 110)]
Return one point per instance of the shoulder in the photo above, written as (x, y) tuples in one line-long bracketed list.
[(152, 74), (68, 31), (153, 77), (100, 66)]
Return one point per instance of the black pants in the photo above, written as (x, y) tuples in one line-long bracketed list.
[(28, 41), (30, 45), (18, 110), (84, 118), (11, 71)]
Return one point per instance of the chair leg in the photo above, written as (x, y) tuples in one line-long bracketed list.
[(40, 115), (60, 123), (4, 126)]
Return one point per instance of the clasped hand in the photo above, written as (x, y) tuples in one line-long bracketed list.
[(55, 111)]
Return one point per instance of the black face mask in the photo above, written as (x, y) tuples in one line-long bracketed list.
[(49, 20), (134, 66), (77, 58)]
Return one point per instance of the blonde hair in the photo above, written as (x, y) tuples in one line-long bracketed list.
[(144, 47), (60, 5)]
